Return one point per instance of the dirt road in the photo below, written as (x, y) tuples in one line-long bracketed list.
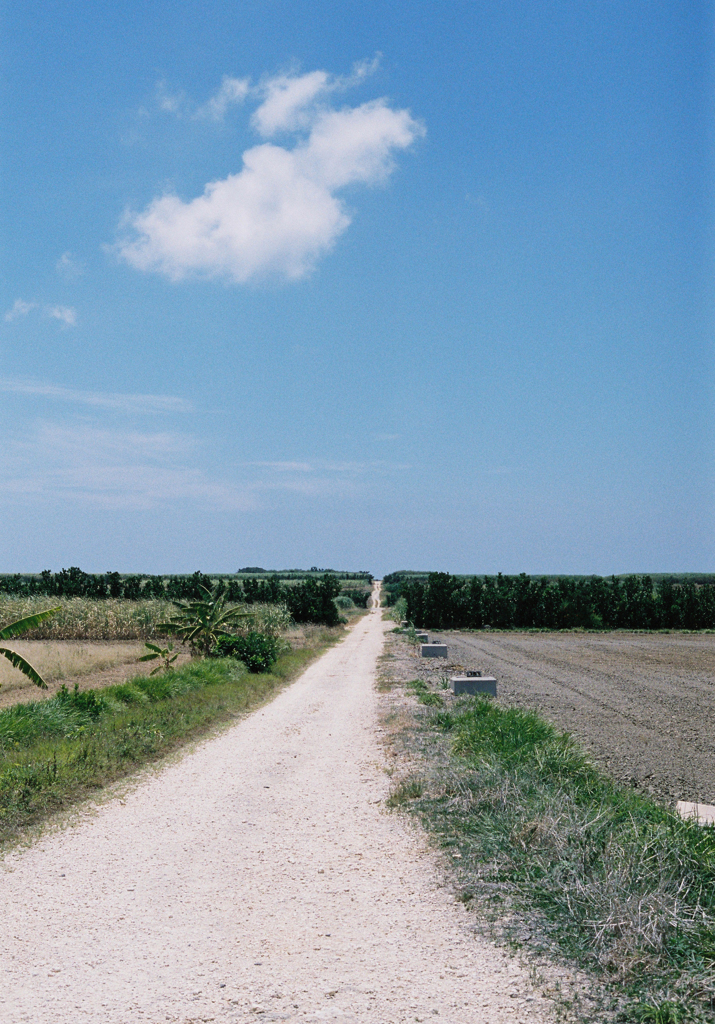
[(644, 704), (258, 877)]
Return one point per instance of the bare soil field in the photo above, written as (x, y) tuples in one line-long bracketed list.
[(642, 704), (90, 664)]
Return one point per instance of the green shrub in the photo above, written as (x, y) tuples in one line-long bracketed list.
[(256, 650)]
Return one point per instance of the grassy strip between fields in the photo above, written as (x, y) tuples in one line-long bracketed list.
[(566, 860), (56, 752)]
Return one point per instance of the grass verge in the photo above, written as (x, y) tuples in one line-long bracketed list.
[(56, 752), (561, 859)]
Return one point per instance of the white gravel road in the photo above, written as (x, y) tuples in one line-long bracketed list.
[(258, 877)]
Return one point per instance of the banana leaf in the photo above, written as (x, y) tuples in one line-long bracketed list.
[(29, 622), (25, 667)]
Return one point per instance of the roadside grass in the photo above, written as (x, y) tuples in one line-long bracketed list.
[(56, 752), (561, 859)]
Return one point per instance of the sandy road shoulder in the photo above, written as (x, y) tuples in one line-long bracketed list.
[(257, 877)]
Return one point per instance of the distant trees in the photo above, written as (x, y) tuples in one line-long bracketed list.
[(442, 601), (307, 600)]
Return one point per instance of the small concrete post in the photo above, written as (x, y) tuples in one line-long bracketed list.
[(433, 650), (473, 683)]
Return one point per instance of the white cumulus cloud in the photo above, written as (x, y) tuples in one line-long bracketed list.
[(287, 103), (19, 308), (66, 314), (280, 213)]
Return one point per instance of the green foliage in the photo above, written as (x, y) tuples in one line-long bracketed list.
[(313, 600), (163, 653), (666, 1012), (438, 600), (200, 623), (424, 694), (408, 789), (257, 651), (15, 629), (256, 587)]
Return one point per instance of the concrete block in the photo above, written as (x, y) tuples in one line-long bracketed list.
[(433, 650), (704, 814), (423, 638), (472, 684)]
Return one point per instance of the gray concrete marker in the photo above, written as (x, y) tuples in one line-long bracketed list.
[(433, 650), (473, 684)]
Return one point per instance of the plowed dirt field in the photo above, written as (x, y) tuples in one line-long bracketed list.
[(643, 704)]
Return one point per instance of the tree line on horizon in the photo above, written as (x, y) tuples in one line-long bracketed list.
[(442, 601), (309, 600)]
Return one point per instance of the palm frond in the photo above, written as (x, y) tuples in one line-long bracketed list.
[(29, 622), (24, 666)]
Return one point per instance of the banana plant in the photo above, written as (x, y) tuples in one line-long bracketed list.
[(200, 623), (163, 653), (21, 626)]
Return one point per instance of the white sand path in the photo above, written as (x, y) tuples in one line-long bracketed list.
[(258, 877)]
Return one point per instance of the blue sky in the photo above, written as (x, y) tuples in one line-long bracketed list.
[(357, 285)]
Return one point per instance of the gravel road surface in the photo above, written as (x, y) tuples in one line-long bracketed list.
[(258, 877)]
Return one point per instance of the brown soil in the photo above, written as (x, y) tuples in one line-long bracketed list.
[(22, 692), (642, 704)]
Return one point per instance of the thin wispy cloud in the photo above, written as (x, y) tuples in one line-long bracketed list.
[(168, 102), (19, 309), (99, 399), (232, 91), (327, 466), (91, 466), (281, 212), (65, 314), (69, 267), (285, 467)]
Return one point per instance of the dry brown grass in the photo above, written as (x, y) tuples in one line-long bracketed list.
[(58, 661), (81, 618)]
